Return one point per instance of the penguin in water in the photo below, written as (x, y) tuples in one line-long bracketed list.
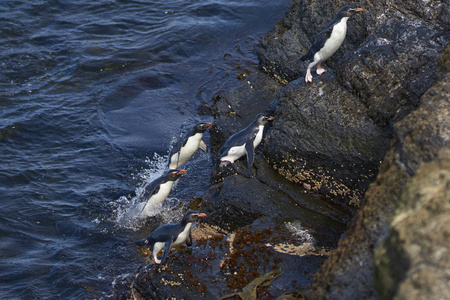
[(159, 189), (186, 146), (328, 41), (244, 142), (171, 235)]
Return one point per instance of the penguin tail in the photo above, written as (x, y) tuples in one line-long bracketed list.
[(142, 243), (302, 58)]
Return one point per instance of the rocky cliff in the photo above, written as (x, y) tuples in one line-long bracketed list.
[(398, 243), (342, 124), (366, 144)]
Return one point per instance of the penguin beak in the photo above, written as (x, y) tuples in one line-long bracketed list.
[(359, 9), (270, 118), (181, 172), (208, 124), (201, 215)]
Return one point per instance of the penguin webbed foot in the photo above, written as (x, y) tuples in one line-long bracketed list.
[(189, 239), (308, 76), (320, 70), (157, 261)]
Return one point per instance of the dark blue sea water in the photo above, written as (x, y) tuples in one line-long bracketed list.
[(92, 94)]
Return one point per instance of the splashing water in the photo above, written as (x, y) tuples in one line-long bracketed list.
[(128, 211)]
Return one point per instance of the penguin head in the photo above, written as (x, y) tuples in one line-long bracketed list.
[(173, 175), (262, 119), (202, 127), (348, 11), (192, 216)]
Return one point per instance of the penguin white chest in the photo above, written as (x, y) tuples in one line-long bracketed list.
[(259, 136), (187, 151), (335, 40), (158, 198), (235, 153), (183, 235), (191, 146)]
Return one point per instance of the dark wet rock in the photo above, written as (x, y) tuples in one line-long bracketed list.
[(237, 109), (323, 136), (388, 59), (248, 195), (416, 157)]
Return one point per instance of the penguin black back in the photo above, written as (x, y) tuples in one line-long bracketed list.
[(153, 187), (345, 12), (169, 235), (186, 146), (328, 41), (244, 142)]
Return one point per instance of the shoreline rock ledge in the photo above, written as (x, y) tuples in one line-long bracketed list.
[(360, 157)]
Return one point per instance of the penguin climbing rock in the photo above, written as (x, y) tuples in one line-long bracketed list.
[(171, 235), (159, 189), (186, 146), (244, 142), (328, 41)]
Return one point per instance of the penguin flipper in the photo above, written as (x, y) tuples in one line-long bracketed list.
[(250, 153), (203, 146), (167, 247), (189, 239), (178, 159), (155, 191), (318, 44)]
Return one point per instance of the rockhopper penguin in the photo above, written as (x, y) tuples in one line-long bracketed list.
[(186, 146), (244, 142), (159, 189), (328, 41), (171, 235)]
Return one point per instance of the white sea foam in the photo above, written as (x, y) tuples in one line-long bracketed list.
[(297, 229), (128, 213)]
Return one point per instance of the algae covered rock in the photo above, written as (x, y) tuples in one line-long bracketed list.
[(241, 262)]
